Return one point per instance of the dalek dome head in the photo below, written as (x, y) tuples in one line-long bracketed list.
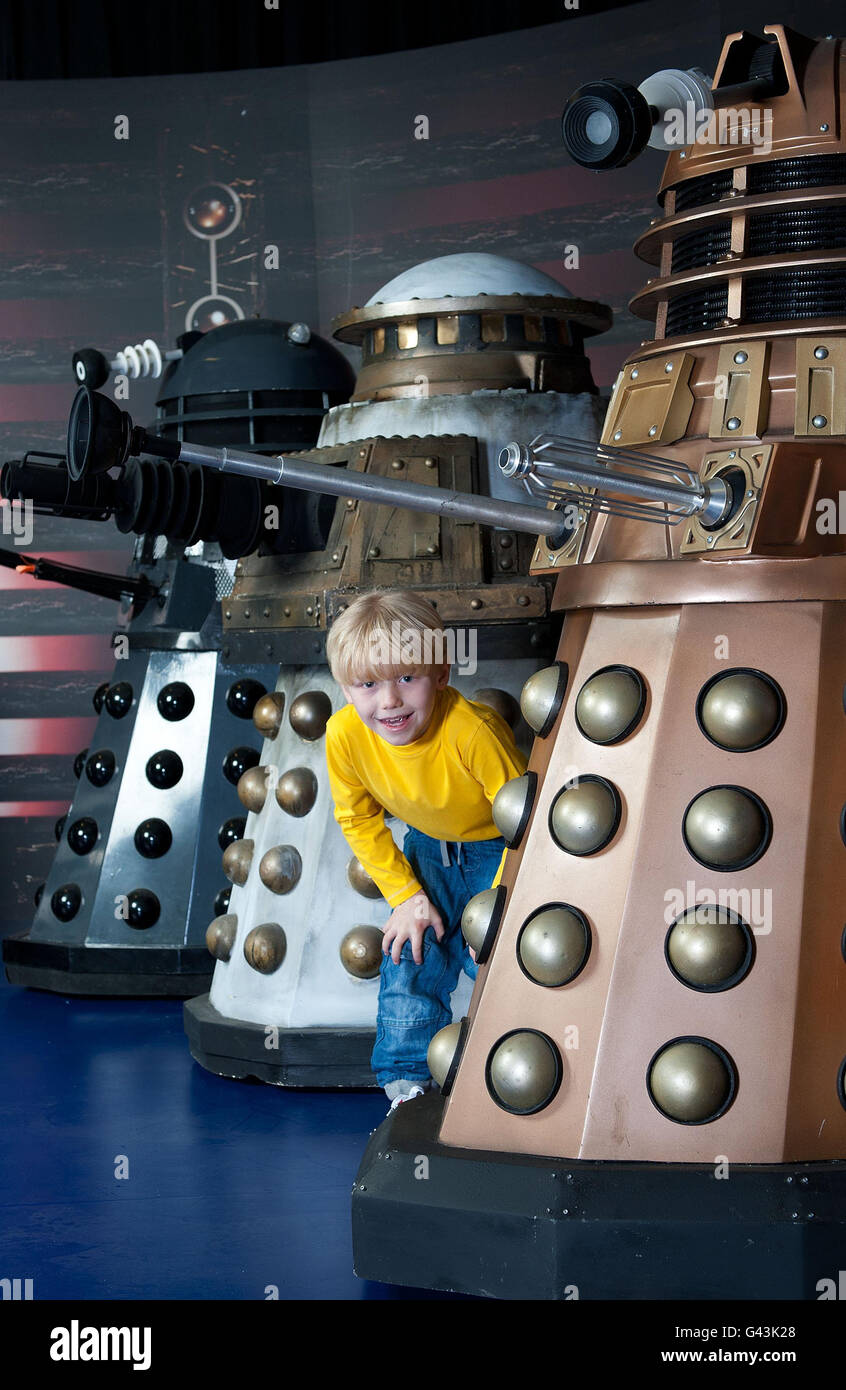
[(471, 322), (752, 227), (258, 384)]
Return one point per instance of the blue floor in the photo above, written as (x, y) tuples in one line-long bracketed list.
[(232, 1186)]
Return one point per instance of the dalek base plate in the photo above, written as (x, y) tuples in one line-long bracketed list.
[(173, 973), (510, 1226), (322, 1058)]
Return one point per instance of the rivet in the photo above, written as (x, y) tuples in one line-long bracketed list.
[(710, 540), (268, 651), (362, 453), (287, 612), (431, 550), (618, 434), (265, 612), (824, 127), (668, 366), (741, 357), (228, 613), (506, 541), (374, 552), (309, 610), (334, 555), (819, 422), (475, 603), (396, 463), (246, 612), (821, 353), (733, 423), (350, 502), (683, 155), (522, 601), (635, 373), (430, 463), (226, 653), (732, 453), (653, 431), (750, 493), (506, 564)]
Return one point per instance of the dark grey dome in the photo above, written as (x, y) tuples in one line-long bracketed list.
[(259, 384), (257, 355)]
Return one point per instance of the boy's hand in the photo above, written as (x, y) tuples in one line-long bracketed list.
[(408, 922)]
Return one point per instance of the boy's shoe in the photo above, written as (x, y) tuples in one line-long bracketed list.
[(398, 1100), (399, 1091)]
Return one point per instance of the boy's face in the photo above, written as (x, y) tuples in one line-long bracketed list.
[(398, 710)]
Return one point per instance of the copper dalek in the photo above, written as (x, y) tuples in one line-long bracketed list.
[(647, 1098)]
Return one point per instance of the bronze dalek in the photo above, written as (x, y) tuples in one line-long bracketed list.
[(647, 1099), (459, 353)]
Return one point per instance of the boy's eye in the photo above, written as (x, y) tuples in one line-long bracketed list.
[(406, 678)]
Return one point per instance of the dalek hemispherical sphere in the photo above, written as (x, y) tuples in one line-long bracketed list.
[(220, 935), (554, 945), (267, 714), (359, 879), (265, 948), (281, 868), (252, 788), (309, 714), (361, 952), (524, 1072), (442, 1047), (542, 696), (236, 861), (296, 791)]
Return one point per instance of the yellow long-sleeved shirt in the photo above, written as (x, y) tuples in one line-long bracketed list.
[(443, 784)]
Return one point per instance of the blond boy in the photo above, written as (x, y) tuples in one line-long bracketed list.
[(410, 744)]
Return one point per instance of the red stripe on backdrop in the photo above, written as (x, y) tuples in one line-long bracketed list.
[(87, 323), (25, 737), (46, 401), (103, 561), (14, 810), (611, 277), (91, 652), (516, 195)]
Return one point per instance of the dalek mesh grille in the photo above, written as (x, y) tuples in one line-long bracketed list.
[(701, 247), (700, 309), (797, 229), (709, 188), (796, 294)]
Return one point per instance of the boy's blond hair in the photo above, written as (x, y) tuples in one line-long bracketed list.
[(383, 634)]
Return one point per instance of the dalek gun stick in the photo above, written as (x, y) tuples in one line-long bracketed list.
[(101, 436)]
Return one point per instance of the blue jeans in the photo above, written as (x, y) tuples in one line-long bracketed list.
[(414, 999)]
